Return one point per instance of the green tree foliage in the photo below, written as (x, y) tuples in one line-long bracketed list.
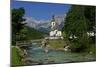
[(90, 14), (75, 22), (17, 19), (17, 25), (78, 21)]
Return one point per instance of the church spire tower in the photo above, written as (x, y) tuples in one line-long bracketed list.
[(53, 18), (54, 33), (53, 23)]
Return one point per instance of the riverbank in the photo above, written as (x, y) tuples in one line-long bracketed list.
[(18, 56), (16, 59), (59, 43)]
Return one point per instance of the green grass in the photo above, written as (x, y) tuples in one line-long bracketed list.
[(56, 43), (15, 58)]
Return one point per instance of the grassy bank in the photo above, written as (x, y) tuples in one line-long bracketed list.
[(15, 58), (56, 43)]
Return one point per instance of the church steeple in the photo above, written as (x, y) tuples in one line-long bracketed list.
[(53, 18), (55, 33), (53, 23)]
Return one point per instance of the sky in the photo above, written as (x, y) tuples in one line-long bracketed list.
[(39, 10)]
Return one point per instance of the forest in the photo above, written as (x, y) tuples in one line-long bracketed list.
[(79, 21)]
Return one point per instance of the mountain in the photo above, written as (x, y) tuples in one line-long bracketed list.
[(33, 23), (60, 21), (30, 22), (44, 25)]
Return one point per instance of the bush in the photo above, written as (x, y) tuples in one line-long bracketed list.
[(80, 44)]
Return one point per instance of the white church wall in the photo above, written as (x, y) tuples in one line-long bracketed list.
[(59, 33), (52, 33)]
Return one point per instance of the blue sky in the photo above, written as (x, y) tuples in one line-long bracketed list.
[(40, 10)]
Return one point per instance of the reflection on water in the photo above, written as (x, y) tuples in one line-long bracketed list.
[(36, 53)]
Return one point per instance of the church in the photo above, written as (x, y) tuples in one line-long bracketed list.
[(54, 33)]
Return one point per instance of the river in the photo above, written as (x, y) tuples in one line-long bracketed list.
[(38, 56)]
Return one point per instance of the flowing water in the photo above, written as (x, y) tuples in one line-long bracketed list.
[(38, 55)]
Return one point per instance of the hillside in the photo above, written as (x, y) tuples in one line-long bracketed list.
[(34, 34)]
